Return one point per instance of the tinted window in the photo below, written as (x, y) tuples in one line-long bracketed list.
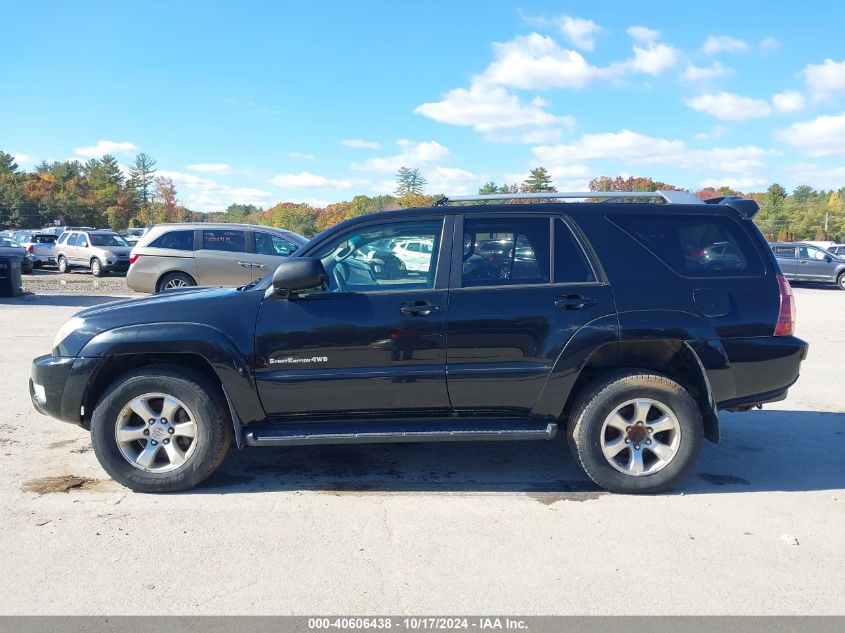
[(694, 245), (82, 241), (571, 264), (505, 251), (175, 240), (784, 252), (73, 239), (224, 240), (372, 258), (45, 239), (63, 238), (269, 244)]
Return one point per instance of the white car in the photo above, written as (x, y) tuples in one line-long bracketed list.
[(415, 254), (41, 247)]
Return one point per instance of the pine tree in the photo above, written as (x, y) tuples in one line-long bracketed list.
[(409, 181), (141, 175), (538, 181)]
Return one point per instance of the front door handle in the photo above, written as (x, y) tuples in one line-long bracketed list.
[(573, 302), (245, 264), (418, 308)]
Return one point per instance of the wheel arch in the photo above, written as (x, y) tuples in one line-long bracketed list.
[(675, 359), (171, 272)]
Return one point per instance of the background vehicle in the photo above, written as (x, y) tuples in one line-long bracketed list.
[(58, 230), (41, 247), (9, 246), (100, 251), (838, 250), (800, 261), (177, 255), (612, 335), (132, 235)]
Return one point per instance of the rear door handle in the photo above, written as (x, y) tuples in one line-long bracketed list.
[(573, 302), (418, 308)]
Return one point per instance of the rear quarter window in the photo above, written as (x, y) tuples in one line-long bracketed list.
[(694, 245), (174, 240)]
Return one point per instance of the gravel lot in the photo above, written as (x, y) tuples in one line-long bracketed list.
[(419, 529), (51, 282)]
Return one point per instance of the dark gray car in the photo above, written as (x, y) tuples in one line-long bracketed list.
[(805, 262)]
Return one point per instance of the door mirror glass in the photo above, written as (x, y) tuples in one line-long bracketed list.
[(293, 275)]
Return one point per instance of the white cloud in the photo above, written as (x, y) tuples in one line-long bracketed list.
[(825, 80), (788, 101), (715, 44), (301, 155), (307, 180), (569, 177), (817, 176), (715, 132), (413, 154), (579, 31), (643, 34), (636, 148), (770, 44), (106, 147), (728, 106), (210, 168), (737, 184), (654, 59), (536, 61), (205, 194), (21, 158), (499, 115), (452, 181), (693, 73), (360, 143), (821, 136)]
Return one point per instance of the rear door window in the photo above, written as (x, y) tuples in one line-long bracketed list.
[(694, 245), (784, 252), (506, 251), (175, 240), (224, 240), (73, 239)]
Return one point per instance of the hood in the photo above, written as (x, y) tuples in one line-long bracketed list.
[(117, 250), (156, 307)]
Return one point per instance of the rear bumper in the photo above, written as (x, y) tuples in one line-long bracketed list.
[(58, 384), (763, 368)]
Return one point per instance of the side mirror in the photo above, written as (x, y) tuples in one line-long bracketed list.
[(301, 273), (828, 258)]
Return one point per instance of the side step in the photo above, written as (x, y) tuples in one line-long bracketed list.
[(359, 432)]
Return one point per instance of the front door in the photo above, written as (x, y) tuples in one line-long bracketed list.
[(372, 341), (813, 265), (270, 251), (222, 259), (514, 305)]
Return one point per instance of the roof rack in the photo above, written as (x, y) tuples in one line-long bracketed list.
[(672, 197)]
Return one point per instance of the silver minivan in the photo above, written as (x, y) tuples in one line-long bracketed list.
[(207, 254), (100, 251)]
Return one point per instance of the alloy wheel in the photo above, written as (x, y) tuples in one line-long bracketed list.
[(640, 437)]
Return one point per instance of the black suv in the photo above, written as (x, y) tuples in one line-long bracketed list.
[(610, 322)]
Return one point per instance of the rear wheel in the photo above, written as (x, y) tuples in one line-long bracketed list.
[(161, 429), (175, 280), (636, 433), (840, 281), (96, 267), (62, 262)]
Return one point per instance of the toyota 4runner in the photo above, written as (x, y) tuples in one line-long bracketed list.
[(625, 326)]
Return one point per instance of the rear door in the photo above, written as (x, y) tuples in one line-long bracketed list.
[(513, 309), (222, 258), (785, 254)]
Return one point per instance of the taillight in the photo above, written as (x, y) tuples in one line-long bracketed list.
[(29, 248), (786, 315), (133, 259)]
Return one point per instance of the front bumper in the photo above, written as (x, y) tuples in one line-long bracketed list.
[(58, 385)]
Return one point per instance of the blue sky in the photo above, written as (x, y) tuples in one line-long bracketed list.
[(318, 101)]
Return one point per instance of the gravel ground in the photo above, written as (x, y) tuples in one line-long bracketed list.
[(51, 282), (505, 528)]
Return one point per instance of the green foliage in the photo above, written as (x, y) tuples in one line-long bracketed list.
[(409, 181), (538, 181)]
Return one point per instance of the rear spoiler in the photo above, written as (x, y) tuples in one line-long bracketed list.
[(746, 207)]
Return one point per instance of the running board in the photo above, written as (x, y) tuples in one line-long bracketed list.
[(423, 431)]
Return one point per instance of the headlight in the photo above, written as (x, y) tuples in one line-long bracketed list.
[(67, 329), (109, 254)]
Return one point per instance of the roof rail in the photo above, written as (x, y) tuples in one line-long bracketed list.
[(672, 197)]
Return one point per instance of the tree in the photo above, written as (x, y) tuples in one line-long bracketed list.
[(409, 181), (538, 181), (7, 164), (141, 179)]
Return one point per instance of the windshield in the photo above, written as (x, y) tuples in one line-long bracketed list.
[(9, 242), (100, 239)]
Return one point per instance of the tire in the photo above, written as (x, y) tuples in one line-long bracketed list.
[(137, 464), (62, 263), (97, 267), (606, 420), (175, 280), (840, 281)]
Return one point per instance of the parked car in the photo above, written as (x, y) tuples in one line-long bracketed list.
[(838, 250), (132, 235), (803, 262), (8, 246), (58, 230), (177, 255), (101, 251), (41, 247), (613, 337)]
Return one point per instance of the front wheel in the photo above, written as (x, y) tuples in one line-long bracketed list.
[(636, 433), (161, 429), (96, 267)]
